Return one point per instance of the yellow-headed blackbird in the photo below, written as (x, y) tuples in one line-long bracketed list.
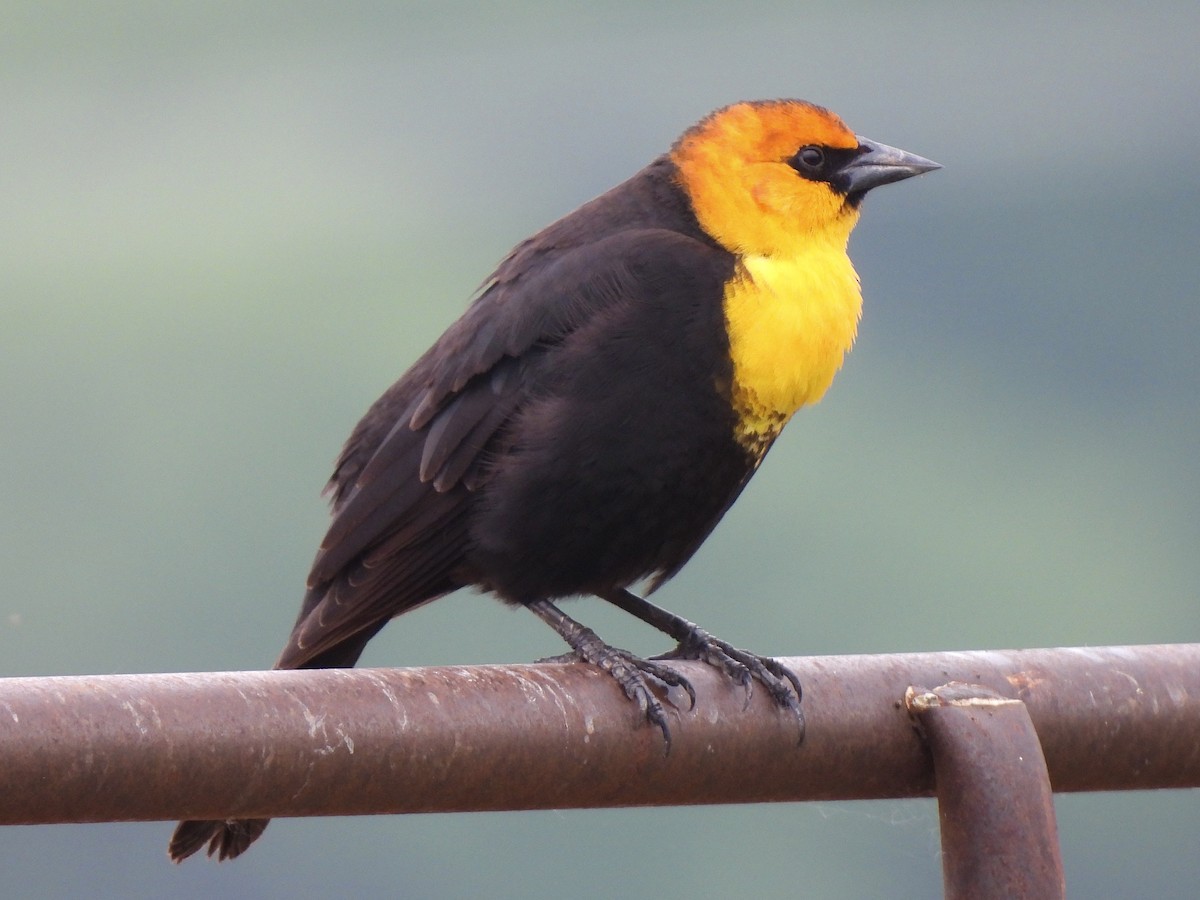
[(602, 402)]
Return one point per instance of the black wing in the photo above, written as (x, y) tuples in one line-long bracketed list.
[(405, 483)]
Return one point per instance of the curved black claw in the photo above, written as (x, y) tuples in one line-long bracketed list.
[(743, 668), (634, 675), (631, 672)]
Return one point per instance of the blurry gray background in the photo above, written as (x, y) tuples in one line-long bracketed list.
[(226, 228)]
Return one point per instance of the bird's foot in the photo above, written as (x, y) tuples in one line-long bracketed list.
[(743, 668), (634, 674)]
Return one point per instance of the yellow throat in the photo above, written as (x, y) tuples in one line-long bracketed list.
[(793, 303), (791, 321)]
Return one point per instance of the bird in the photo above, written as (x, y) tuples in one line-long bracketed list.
[(605, 397)]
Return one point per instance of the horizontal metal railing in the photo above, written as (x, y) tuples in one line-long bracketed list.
[(344, 742)]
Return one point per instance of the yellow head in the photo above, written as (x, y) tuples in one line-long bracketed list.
[(739, 168), (778, 183), (766, 177)]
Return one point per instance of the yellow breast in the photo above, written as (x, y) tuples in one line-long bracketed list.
[(791, 321)]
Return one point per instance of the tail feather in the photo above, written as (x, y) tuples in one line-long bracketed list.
[(226, 838), (336, 620), (229, 838)]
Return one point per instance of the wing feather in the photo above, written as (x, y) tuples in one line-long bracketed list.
[(405, 484), (465, 388)]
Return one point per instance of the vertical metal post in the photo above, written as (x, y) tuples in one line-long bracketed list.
[(995, 805)]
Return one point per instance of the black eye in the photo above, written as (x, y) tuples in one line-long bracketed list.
[(811, 157), (817, 162)]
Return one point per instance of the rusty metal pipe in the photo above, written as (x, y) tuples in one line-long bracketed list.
[(999, 834), (345, 742)]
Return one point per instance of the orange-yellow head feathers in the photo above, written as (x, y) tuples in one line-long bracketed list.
[(778, 184), (734, 165)]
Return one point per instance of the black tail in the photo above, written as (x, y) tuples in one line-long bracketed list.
[(226, 839), (229, 838), (336, 620)]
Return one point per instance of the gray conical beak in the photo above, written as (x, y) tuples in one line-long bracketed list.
[(879, 164)]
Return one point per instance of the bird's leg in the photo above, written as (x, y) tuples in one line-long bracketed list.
[(742, 667), (629, 671)]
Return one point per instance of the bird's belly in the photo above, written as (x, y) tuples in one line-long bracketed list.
[(593, 507)]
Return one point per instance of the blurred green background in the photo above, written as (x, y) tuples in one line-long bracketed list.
[(225, 228)]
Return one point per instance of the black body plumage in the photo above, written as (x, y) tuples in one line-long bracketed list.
[(570, 433), (588, 420)]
